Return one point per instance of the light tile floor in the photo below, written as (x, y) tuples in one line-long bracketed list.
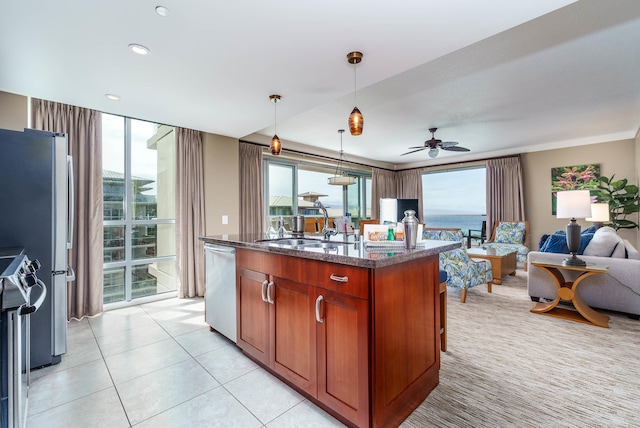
[(158, 365)]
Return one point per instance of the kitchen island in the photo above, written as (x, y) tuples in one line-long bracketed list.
[(352, 327)]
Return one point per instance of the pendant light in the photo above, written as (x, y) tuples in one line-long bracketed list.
[(341, 178), (356, 121), (276, 145)]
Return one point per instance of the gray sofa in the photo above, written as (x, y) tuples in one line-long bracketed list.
[(619, 290)]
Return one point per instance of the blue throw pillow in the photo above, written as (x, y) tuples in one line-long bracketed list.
[(557, 243), (591, 229), (543, 239)]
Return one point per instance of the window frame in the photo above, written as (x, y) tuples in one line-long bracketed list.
[(362, 178), (129, 224)]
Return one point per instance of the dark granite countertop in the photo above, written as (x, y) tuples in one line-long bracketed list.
[(348, 253)]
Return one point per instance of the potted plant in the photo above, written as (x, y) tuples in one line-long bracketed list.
[(622, 198)]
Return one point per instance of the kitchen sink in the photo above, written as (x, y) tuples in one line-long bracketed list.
[(301, 243)]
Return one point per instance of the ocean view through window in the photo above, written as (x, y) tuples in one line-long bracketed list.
[(455, 198)]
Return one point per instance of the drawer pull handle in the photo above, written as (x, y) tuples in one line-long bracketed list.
[(264, 291), (339, 278), (269, 299), (318, 304)]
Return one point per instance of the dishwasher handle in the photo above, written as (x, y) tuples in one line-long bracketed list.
[(216, 249)]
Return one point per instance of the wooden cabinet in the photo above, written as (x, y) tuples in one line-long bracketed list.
[(361, 343), (343, 380)]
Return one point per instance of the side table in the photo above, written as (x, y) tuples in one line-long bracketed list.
[(568, 290)]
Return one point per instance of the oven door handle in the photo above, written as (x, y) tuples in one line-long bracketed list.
[(29, 309)]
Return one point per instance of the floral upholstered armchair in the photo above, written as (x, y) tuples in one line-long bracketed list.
[(511, 235), (462, 271)]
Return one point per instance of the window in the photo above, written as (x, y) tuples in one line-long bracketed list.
[(292, 187), (455, 198), (138, 176)]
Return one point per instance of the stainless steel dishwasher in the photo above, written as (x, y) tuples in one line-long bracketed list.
[(220, 293)]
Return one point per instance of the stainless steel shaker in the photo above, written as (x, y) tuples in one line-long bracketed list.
[(297, 224), (410, 223)]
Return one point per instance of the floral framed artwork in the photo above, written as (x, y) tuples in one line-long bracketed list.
[(575, 177)]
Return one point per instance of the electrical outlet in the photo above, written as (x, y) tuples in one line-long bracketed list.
[(225, 219)]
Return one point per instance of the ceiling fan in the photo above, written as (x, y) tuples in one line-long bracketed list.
[(434, 145)]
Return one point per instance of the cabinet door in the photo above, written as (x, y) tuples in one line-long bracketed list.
[(293, 337), (343, 380), (253, 310)]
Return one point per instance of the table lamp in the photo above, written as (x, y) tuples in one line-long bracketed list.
[(599, 214), (572, 204)]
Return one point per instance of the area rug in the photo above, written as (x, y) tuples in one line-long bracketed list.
[(508, 367)]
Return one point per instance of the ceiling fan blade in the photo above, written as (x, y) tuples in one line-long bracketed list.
[(456, 149), (448, 144), (413, 151), (417, 147)]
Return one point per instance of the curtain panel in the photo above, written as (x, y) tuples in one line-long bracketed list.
[(84, 130), (383, 185), (505, 195), (190, 216), (410, 187), (251, 192)]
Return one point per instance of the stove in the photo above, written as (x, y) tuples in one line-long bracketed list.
[(17, 281)]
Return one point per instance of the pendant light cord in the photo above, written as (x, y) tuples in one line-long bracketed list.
[(355, 85), (341, 131)]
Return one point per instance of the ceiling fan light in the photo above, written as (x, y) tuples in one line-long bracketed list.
[(433, 153), (276, 145), (356, 122)]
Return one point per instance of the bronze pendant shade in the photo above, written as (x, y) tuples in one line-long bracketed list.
[(356, 120), (276, 145)]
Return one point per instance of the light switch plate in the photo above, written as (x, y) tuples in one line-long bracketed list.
[(225, 219)]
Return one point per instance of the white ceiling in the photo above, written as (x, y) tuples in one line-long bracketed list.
[(498, 76)]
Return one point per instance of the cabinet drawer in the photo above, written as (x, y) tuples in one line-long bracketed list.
[(350, 280)]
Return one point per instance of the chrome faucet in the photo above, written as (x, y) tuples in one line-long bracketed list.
[(326, 230)]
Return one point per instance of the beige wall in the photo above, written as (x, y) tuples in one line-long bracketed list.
[(221, 184), (616, 157), (13, 111)]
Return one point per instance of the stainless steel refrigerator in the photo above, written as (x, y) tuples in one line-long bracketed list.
[(36, 191)]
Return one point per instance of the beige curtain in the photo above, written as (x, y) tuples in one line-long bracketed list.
[(190, 218), (84, 129), (410, 187), (383, 185), (505, 195), (251, 194)]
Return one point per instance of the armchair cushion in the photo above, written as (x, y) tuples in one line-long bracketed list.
[(510, 233), (462, 271)]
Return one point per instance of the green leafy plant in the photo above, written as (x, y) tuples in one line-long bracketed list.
[(623, 200)]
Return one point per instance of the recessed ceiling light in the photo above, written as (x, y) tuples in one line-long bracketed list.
[(112, 97), (139, 49), (162, 11)]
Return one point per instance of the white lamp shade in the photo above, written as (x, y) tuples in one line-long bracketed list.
[(573, 204), (599, 212)]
